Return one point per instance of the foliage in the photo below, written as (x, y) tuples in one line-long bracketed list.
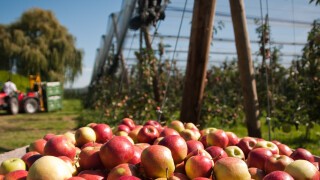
[(38, 44), (21, 82)]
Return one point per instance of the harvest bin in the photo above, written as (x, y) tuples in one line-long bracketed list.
[(52, 96)]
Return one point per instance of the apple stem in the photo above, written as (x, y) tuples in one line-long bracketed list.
[(167, 172)]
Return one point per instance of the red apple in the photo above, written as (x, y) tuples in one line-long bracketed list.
[(123, 127), (84, 135), (16, 175), (60, 146), (136, 159), (128, 122), (91, 124), (256, 174), (301, 153), (177, 146), (198, 152), (48, 136), (70, 163), (176, 125), (148, 134), (284, 149), (89, 158), (231, 168), (124, 169), (157, 140), (142, 145), (154, 123), (267, 144), (157, 162), (199, 166), (193, 145), (203, 140), (233, 138), (180, 168), (28, 154), (32, 159), (38, 145), (257, 157), (276, 142), (103, 132), (116, 151), (234, 151), (178, 176), (92, 174), (91, 144), (277, 163), (49, 168), (76, 178), (278, 175), (302, 169), (168, 131), (216, 152), (246, 144), (129, 178), (217, 138)]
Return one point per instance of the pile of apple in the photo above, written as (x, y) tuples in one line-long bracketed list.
[(153, 151)]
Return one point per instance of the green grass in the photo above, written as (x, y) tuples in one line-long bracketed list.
[(21, 82), (20, 130)]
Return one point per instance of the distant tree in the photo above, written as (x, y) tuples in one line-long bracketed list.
[(38, 43), (316, 1)]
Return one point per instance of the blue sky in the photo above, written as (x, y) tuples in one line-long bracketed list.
[(87, 21)]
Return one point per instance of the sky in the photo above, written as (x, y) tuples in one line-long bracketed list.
[(87, 22)]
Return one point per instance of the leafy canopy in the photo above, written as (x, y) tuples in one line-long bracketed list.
[(38, 43)]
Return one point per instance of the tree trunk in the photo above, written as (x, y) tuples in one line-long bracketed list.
[(199, 49), (251, 104)]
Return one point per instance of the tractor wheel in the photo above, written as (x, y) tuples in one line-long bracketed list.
[(30, 106), (13, 106)]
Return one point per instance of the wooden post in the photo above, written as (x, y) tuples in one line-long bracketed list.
[(251, 104), (199, 49)]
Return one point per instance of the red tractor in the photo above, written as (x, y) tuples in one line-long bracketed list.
[(20, 102)]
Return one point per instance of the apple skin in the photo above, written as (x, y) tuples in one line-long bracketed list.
[(302, 169), (38, 145), (277, 163), (203, 140), (134, 133), (136, 159), (178, 176), (89, 158), (123, 127), (32, 159), (157, 162), (124, 169), (177, 146), (301, 153), (217, 138), (116, 151), (103, 132), (230, 168), (129, 178), (246, 144), (154, 123), (234, 151), (92, 174), (148, 134), (60, 146), (216, 152), (128, 122), (168, 131), (84, 135), (16, 175), (257, 157), (12, 164), (49, 168), (48, 136), (267, 144), (189, 134), (142, 145), (191, 126), (176, 125), (91, 144), (278, 175), (200, 152), (256, 174), (27, 155), (193, 145), (233, 138), (76, 178), (71, 164), (284, 149), (198, 166)]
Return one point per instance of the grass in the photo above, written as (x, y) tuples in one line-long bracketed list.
[(20, 130)]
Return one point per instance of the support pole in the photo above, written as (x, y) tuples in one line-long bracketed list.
[(199, 49), (251, 104)]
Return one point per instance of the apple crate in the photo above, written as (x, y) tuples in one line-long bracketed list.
[(16, 153)]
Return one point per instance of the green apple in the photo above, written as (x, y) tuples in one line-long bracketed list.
[(84, 135), (234, 151), (12, 164)]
